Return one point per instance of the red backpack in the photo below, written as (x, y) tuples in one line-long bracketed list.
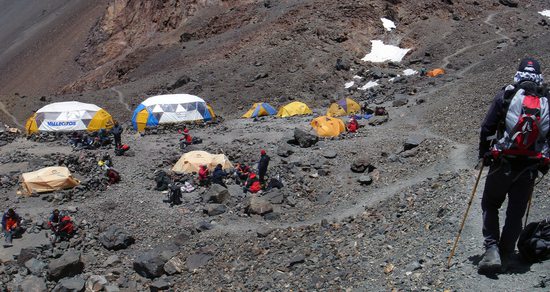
[(526, 126)]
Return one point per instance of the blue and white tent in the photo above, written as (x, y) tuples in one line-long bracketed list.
[(170, 108)]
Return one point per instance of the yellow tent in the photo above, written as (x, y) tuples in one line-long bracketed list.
[(191, 161), (435, 72), (343, 107), (48, 179), (328, 126), (260, 109), (293, 109)]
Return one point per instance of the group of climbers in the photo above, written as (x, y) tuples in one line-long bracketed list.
[(60, 224)]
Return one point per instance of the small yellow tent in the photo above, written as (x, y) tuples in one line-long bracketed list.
[(328, 126), (191, 161), (260, 109), (343, 107), (293, 109), (435, 72), (47, 179)]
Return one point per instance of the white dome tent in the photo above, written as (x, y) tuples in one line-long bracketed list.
[(170, 108)]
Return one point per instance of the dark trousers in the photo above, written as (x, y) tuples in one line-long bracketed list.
[(118, 141), (16, 232), (518, 184)]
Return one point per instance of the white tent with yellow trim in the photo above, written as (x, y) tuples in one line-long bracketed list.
[(191, 161), (69, 116), (171, 108)]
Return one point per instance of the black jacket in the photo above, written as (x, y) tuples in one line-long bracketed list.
[(117, 130), (263, 164)]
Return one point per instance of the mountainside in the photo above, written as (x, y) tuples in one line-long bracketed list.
[(372, 211)]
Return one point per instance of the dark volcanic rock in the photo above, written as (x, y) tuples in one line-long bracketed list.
[(68, 265), (304, 139), (150, 264), (33, 284), (362, 164), (115, 238), (509, 3), (259, 206), (35, 266), (215, 209), (284, 150), (216, 194), (70, 285)]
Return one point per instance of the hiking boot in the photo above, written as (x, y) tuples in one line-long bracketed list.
[(491, 261)]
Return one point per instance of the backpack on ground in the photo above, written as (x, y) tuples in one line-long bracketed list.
[(525, 125), (534, 241)]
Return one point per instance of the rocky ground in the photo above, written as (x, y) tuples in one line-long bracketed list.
[(376, 211)]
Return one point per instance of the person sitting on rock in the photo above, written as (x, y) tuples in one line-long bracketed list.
[(204, 176), (11, 226), (252, 184), (241, 173), (103, 136), (61, 225), (186, 140), (352, 125), (218, 175), (76, 140)]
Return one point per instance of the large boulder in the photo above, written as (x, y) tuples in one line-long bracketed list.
[(259, 206), (115, 238), (215, 209), (275, 196), (304, 139), (412, 142), (33, 284), (96, 283), (75, 284), (216, 194), (378, 120), (361, 165), (68, 265), (35, 267), (151, 263)]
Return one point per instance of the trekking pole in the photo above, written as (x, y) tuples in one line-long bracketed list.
[(465, 216), (528, 208)]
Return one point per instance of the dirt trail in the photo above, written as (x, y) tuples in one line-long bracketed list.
[(13, 118), (121, 99), (498, 31)]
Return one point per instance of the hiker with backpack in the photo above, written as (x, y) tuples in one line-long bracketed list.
[(519, 115)]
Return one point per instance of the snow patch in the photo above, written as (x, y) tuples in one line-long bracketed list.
[(545, 13), (409, 72), (369, 84), (382, 53), (349, 84), (357, 77), (388, 24)]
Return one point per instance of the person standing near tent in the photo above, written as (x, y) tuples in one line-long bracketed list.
[(513, 158), (352, 125), (262, 165), (11, 226), (117, 134)]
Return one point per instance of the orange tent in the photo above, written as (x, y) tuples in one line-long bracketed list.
[(435, 72), (328, 126)]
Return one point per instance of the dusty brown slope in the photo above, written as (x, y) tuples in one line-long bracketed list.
[(231, 53)]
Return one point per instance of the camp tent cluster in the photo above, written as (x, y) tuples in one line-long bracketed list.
[(69, 116), (260, 109)]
